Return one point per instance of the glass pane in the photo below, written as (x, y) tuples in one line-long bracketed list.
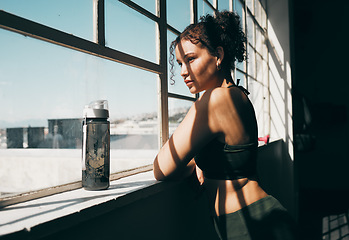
[(263, 18), (239, 9), (265, 73), (257, 98), (204, 8), (74, 17), (249, 4), (251, 62), (224, 5), (129, 31), (178, 14), (147, 4), (250, 29), (259, 68), (176, 84), (265, 50), (210, 1), (177, 109), (260, 39), (257, 11), (43, 95), (241, 76), (241, 65)]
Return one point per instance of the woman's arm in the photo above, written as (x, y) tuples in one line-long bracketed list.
[(174, 161)]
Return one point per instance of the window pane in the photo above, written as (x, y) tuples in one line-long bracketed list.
[(250, 29), (257, 98), (147, 4), (263, 18), (39, 92), (251, 62), (241, 65), (210, 1), (249, 4), (178, 14), (264, 50), (265, 73), (239, 9), (260, 40), (223, 5), (177, 109), (176, 84), (257, 11), (241, 76), (204, 8), (74, 17), (259, 68), (129, 31)]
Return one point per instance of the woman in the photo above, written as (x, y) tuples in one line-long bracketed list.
[(218, 136)]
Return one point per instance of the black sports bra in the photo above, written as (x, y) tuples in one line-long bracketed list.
[(220, 161)]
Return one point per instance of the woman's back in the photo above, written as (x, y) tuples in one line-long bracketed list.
[(232, 114)]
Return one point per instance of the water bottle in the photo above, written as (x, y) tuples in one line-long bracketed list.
[(96, 146)]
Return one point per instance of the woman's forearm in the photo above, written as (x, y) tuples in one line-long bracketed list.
[(180, 173)]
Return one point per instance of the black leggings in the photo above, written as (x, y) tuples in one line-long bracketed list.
[(263, 219)]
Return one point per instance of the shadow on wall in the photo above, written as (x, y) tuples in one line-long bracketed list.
[(276, 172)]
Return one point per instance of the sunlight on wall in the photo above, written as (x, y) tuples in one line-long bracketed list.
[(277, 102), (275, 46), (280, 91), (289, 110)]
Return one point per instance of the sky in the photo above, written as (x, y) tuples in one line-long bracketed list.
[(40, 80)]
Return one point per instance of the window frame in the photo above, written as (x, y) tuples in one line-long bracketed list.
[(26, 27)]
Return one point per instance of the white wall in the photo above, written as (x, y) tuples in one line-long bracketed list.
[(280, 73), (278, 161)]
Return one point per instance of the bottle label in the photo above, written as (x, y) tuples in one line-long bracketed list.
[(96, 160)]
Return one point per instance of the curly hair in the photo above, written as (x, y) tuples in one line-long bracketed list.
[(222, 30)]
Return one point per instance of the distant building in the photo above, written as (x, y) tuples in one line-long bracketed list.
[(35, 136), (14, 137), (61, 133), (29, 137), (66, 133)]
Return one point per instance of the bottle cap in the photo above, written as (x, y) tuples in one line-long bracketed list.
[(96, 109)]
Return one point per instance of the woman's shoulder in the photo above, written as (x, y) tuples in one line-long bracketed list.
[(225, 109), (221, 96)]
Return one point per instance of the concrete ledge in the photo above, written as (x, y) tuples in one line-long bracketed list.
[(22, 218), (135, 207)]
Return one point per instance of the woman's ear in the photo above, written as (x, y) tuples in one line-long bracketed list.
[(220, 54)]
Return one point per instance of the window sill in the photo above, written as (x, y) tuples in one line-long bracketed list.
[(77, 205)]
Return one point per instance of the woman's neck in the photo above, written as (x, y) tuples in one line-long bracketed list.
[(228, 80)]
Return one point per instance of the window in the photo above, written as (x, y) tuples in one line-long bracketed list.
[(58, 14), (56, 58), (137, 37), (254, 19), (175, 9), (52, 70)]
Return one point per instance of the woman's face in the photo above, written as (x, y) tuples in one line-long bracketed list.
[(198, 66)]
